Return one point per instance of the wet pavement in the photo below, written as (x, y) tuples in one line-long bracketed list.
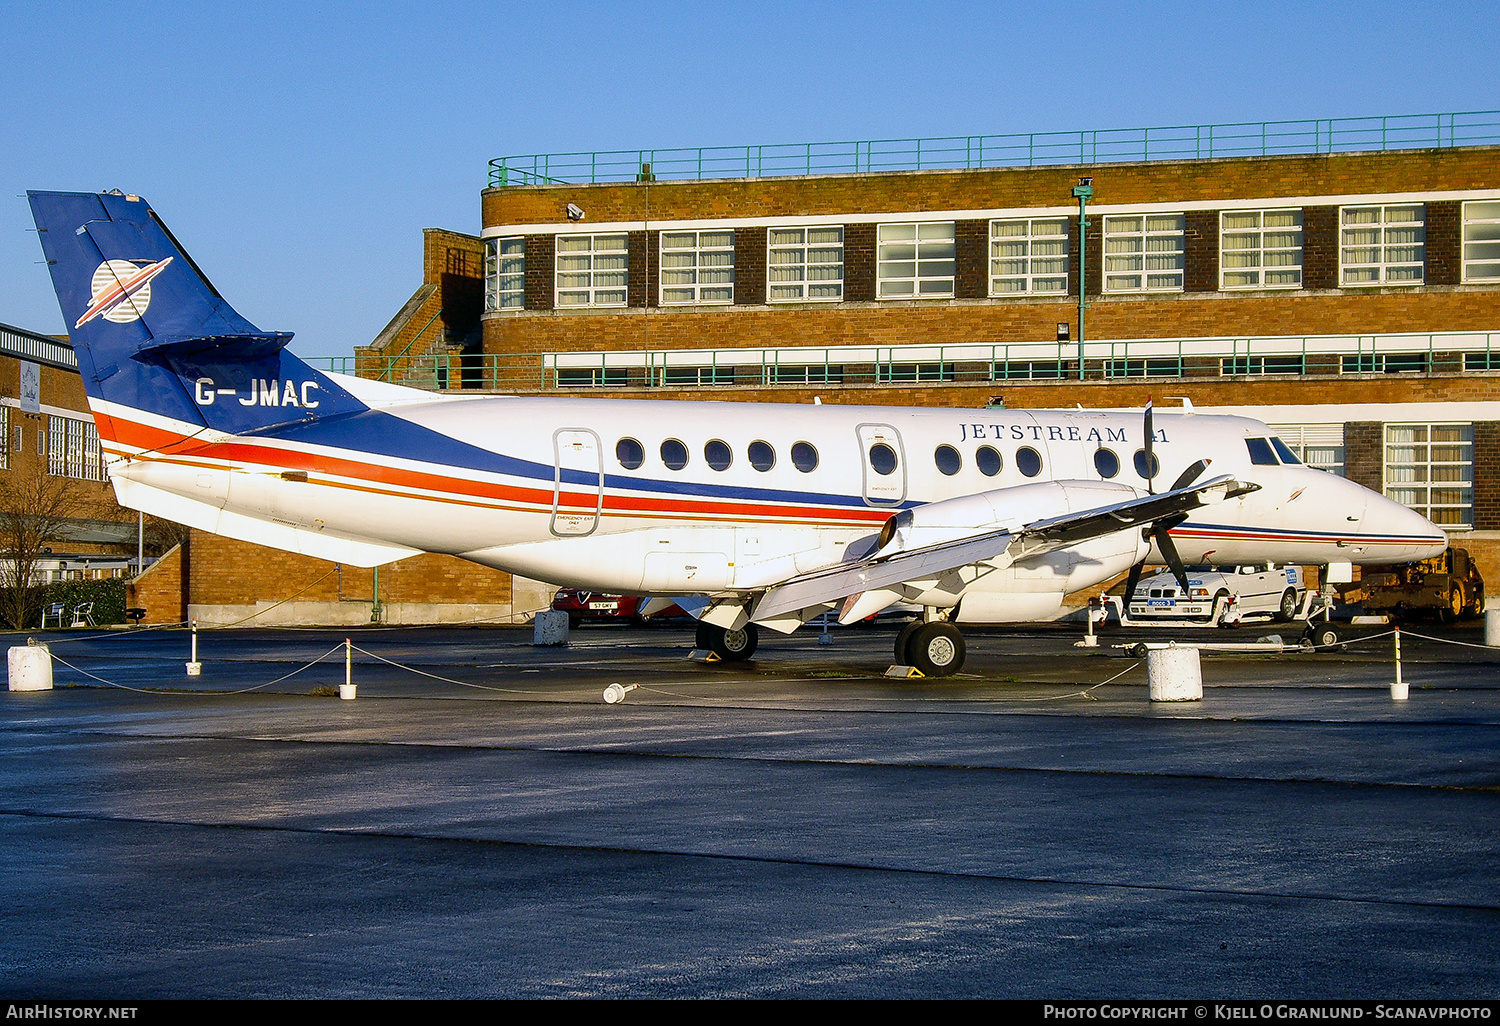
[(480, 823)]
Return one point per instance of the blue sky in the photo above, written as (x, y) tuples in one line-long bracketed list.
[(297, 150)]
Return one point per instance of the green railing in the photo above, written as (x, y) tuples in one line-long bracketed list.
[(1099, 146), (864, 366)]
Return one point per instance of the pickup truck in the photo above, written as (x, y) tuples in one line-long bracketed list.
[(1259, 588)]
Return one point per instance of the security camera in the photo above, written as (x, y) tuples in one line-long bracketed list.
[(575, 212)]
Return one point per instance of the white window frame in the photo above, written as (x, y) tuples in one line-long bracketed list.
[(505, 273), (1164, 246), (73, 448), (1393, 261), (584, 283), (1245, 246), (1019, 267), (1320, 446), (1481, 231), (923, 265), (795, 266), (1420, 474), (701, 271), (5, 435)]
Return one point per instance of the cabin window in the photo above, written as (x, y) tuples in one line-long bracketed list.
[(674, 454), (1147, 467), (1260, 452), (805, 457), (947, 459), (882, 459), (1028, 461), (762, 456), (1106, 462), (988, 460), (630, 453), (718, 455)]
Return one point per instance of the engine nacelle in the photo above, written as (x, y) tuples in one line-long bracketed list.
[(1007, 509)]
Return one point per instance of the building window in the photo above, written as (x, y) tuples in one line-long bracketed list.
[(592, 377), (1002, 370), (887, 372), (697, 267), (591, 270), (1383, 363), (1482, 242), (1144, 252), (5, 434), (812, 374), (697, 376), (1382, 245), (805, 264), (1430, 468), (1029, 256), (1262, 365), (1155, 367), (1320, 446), (916, 261), (1260, 249), (505, 274), (73, 449)]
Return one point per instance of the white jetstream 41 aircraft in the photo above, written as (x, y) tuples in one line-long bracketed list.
[(744, 514)]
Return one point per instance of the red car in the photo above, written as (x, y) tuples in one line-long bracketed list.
[(593, 605)]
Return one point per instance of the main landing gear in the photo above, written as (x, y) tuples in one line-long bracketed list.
[(935, 647), (732, 646)]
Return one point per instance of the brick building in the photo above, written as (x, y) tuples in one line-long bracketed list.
[(1350, 297)]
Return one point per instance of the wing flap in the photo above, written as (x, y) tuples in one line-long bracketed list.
[(999, 548)]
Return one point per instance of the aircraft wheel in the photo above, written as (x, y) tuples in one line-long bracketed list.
[(1219, 608), (738, 645), (1288, 607), (1324, 636), (705, 637), (937, 649), (903, 643)]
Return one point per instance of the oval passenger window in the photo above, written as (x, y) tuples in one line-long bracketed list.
[(1028, 461), (987, 459), (674, 454), (630, 453), (718, 455), (947, 459), (882, 459), (762, 456)]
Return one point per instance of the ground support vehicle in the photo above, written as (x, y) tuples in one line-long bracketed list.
[(1447, 586)]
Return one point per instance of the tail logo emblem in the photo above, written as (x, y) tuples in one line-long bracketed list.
[(121, 291)]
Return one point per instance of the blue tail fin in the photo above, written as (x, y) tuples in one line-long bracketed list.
[(153, 335)]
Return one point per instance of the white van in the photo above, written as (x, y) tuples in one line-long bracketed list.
[(1261, 588)]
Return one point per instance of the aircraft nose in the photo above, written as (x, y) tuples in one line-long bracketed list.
[(1388, 520)]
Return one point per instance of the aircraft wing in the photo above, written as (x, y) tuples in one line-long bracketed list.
[(883, 570)]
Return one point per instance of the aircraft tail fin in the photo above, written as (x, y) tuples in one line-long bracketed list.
[(153, 335)]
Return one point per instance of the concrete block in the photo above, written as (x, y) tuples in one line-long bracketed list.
[(550, 628), (30, 668), (1174, 674)]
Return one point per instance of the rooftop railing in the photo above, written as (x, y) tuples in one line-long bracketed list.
[(959, 363), (1097, 146)]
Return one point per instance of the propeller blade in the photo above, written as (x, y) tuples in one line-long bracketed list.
[(1150, 457), (1190, 475), (1168, 550), (1133, 580)]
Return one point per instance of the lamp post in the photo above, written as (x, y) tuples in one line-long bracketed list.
[(1084, 190)]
